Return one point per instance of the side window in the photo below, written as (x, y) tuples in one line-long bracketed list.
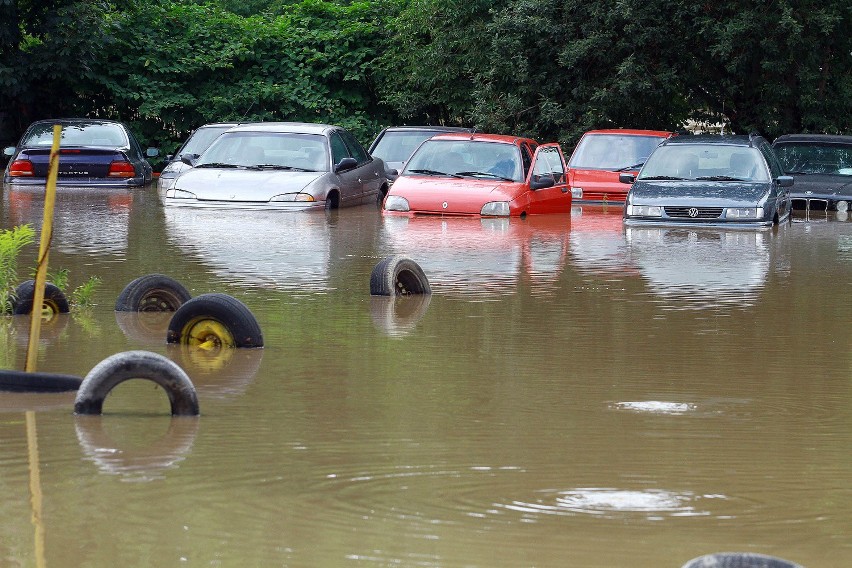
[(526, 158), (355, 149), (549, 162), (771, 159), (338, 148)]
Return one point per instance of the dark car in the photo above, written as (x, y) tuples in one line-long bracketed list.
[(395, 144), (91, 152), (709, 180), (821, 164), (199, 140)]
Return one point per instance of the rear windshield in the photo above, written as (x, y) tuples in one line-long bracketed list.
[(613, 151), (815, 158), (397, 146), (109, 135)]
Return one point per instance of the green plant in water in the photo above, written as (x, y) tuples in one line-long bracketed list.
[(58, 278), (82, 294), (12, 241)]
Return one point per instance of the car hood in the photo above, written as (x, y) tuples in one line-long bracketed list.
[(462, 195), (242, 184), (822, 184), (694, 193)]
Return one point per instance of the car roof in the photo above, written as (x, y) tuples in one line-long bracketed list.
[(427, 128), (294, 127), (722, 139), (631, 132), (821, 138), (479, 137), (77, 121)]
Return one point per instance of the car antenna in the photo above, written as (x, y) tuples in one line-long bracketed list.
[(245, 114)]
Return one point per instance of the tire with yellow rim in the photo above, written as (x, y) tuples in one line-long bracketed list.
[(213, 322), (54, 303)]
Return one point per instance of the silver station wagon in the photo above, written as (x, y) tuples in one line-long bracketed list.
[(281, 165)]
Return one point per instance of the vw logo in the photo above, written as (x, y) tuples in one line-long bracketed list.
[(693, 212), (444, 204)]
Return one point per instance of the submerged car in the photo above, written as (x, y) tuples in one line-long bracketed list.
[(281, 165), (821, 164), (92, 152), (199, 140), (601, 155), (395, 144), (487, 175), (709, 180)]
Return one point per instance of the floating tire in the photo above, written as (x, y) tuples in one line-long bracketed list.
[(398, 276), (214, 321), (54, 299), (739, 560), (152, 293), (121, 367), (19, 381)]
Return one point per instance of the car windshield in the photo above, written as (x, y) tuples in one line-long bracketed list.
[(274, 150), (201, 139), (398, 145), (78, 134), (815, 158), (613, 151), (467, 158), (708, 162)]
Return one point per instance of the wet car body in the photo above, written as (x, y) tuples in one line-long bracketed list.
[(485, 175), (601, 155), (821, 164), (395, 144), (732, 181), (280, 165), (92, 152), (199, 140)]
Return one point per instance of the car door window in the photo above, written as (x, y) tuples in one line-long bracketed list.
[(355, 149), (338, 148), (526, 158), (771, 160), (549, 162)]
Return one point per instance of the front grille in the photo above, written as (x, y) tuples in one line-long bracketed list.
[(700, 212), (804, 204)]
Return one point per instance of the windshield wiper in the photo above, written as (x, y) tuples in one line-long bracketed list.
[(486, 174), (719, 178), (277, 167), (655, 178), (433, 173), (217, 165), (630, 167)]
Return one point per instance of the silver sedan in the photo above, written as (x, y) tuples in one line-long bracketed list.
[(281, 165)]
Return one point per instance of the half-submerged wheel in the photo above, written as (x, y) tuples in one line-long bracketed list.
[(214, 321), (54, 300), (152, 293), (739, 560), (127, 365), (398, 276)]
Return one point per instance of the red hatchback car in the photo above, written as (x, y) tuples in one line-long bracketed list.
[(485, 175), (603, 154)]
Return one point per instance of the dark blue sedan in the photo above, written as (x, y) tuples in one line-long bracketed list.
[(731, 181), (92, 152)]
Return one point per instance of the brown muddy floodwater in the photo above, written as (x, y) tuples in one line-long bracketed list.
[(573, 394)]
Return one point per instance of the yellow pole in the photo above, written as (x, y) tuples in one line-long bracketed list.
[(35, 489), (43, 252)]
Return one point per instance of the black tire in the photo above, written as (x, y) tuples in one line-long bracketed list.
[(208, 319), (127, 365), (54, 299), (739, 560), (152, 293), (332, 201), (19, 381), (398, 276)]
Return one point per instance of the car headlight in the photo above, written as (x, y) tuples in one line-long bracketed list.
[(396, 203), (744, 213), (495, 209), (293, 197), (179, 194), (577, 192), (644, 211), (842, 206)]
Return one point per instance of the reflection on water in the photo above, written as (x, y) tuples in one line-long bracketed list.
[(571, 394)]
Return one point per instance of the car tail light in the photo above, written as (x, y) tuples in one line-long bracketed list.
[(21, 168), (121, 170)]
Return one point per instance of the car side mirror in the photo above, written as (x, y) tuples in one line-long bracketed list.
[(626, 178), (345, 164), (785, 181), (152, 152), (8, 151), (170, 157), (189, 159), (392, 172), (542, 181)]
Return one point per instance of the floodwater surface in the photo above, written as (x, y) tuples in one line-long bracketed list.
[(572, 394)]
